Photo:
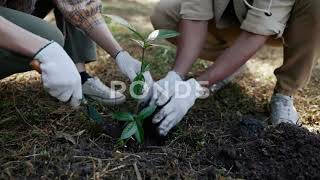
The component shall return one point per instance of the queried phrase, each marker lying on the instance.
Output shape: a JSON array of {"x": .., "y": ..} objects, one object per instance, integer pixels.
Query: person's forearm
[
  {"x": 234, "y": 57},
  {"x": 16, "y": 39},
  {"x": 103, "y": 37},
  {"x": 190, "y": 44}
]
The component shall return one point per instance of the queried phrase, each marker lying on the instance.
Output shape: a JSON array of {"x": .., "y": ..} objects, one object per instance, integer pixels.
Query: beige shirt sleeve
[
  {"x": 196, "y": 9},
  {"x": 259, "y": 23}
]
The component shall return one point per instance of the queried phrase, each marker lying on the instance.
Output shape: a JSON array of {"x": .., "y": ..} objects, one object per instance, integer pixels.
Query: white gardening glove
[
  {"x": 130, "y": 67},
  {"x": 164, "y": 89},
  {"x": 59, "y": 74},
  {"x": 187, "y": 92}
]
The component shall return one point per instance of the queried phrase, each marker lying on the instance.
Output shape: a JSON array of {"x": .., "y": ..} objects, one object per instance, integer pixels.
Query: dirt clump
[{"x": 283, "y": 152}]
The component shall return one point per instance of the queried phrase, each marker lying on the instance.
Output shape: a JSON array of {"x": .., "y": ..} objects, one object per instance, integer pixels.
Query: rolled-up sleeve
[
  {"x": 85, "y": 14},
  {"x": 259, "y": 23},
  {"x": 196, "y": 9}
]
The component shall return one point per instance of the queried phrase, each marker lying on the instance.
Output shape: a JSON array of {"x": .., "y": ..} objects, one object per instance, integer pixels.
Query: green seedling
[{"x": 134, "y": 122}]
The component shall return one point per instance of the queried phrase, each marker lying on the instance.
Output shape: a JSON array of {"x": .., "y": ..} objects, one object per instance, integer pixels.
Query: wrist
[
  {"x": 40, "y": 48},
  {"x": 176, "y": 75},
  {"x": 36, "y": 47},
  {"x": 115, "y": 55},
  {"x": 199, "y": 90},
  {"x": 50, "y": 52}
]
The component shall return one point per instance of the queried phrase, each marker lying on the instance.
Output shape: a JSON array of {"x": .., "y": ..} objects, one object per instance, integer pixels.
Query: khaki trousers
[{"x": 301, "y": 41}]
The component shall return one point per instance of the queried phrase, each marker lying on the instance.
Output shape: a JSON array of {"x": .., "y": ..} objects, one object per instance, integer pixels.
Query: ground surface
[{"x": 221, "y": 137}]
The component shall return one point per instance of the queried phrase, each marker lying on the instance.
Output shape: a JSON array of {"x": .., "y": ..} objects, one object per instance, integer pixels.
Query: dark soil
[
  {"x": 252, "y": 151},
  {"x": 223, "y": 136},
  {"x": 215, "y": 140},
  {"x": 283, "y": 152},
  {"x": 256, "y": 151}
]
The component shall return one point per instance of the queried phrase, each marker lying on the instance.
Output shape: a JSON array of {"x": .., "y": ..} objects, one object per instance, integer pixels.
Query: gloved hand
[
  {"x": 164, "y": 89},
  {"x": 182, "y": 100},
  {"x": 60, "y": 76},
  {"x": 130, "y": 67}
]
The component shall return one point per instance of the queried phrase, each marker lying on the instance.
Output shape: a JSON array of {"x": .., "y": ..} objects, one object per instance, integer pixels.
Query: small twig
[
  {"x": 115, "y": 169},
  {"x": 102, "y": 135},
  {"x": 90, "y": 157},
  {"x": 176, "y": 139},
  {"x": 32, "y": 155},
  {"x": 128, "y": 155},
  {"x": 191, "y": 168},
  {"x": 105, "y": 169},
  {"x": 5, "y": 120},
  {"x": 94, "y": 169},
  {"x": 70, "y": 177},
  {"x": 160, "y": 154},
  {"x": 204, "y": 170},
  {"x": 94, "y": 143},
  {"x": 229, "y": 170},
  {"x": 10, "y": 162},
  {"x": 137, "y": 171}
]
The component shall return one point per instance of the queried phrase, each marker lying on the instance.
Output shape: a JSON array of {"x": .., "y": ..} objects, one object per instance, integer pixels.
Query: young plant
[{"x": 134, "y": 122}]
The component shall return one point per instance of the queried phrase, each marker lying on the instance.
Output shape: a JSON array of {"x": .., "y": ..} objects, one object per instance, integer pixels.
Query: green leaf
[
  {"x": 140, "y": 43},
  {"x": 139, "y": 135},
  {"x": 123, "y": 116},
  {"x": 129, "y": 130},
  {"x": 146, "y": 112},
  {"x": 139, "y": 77},
  {"x": 138, "y": 89},
  {"x": 138, "y": 86},
  {"x": 145, "y": 67},
  {"x": 94, "y": 115},
  {"x": 162, "y": 34},
  {"x": 124, "y": 23}
]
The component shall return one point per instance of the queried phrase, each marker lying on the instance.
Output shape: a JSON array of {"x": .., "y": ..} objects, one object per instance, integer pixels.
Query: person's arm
[
  {"x": 190, "y": 44},
  {"x": 177, "y": 107},
  {"x": 59, "y": 74},
  {"x": 15, "y": 38},
  {"x": 234, "y": 57},
  {"x": 103, "y": 37},
  {"x": 87, "y": 16}
]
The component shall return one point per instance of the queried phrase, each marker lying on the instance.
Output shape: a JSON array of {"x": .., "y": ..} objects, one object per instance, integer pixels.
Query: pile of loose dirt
[{"x": 283, "y": 152}]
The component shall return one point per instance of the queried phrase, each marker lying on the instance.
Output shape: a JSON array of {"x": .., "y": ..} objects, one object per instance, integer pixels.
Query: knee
[
  {"x": 157, "y": 16},
  {"x": 165, "y": 14},
  {"x": 57, "y": 36},
  {"x": 155, "y": 20}
]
